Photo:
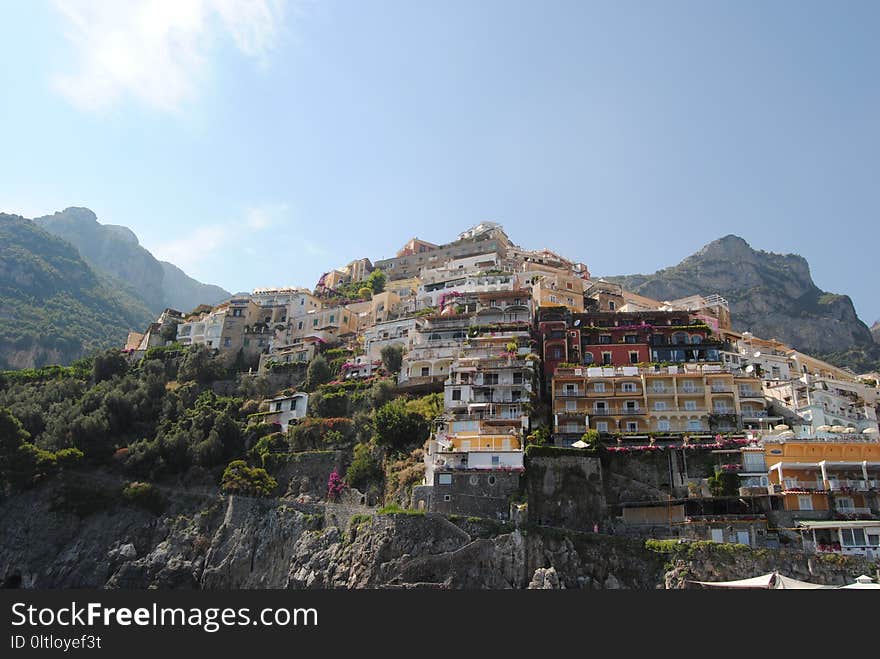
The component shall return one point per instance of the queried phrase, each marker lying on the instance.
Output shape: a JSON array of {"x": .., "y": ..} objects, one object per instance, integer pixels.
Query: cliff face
[
  {"x": 111, "y": 249},
  {"x": 55, "y": 307},
  {"x": 182, "y": 292},
  {"x": 771, "y": 295},
  {"x": 207, "y": 541},
  {"x": 115, "y": 250},
  {"x": 875, "y": 331}
]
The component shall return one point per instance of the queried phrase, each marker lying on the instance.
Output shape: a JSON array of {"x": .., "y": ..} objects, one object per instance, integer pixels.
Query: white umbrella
[
  {"x": 823, "y": 428},
  {"x": 786, "y": 433},
  {"x": 837, "y": 429},
  {"x": 781, "y": 426},
  {"x": 850, "y": 430},
  {"x": 580, "y": 444},
  {"x": 870, "y": 431}
]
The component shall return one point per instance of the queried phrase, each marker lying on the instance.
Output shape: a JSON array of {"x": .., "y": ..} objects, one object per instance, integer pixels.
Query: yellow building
[
  {"x": 829, "y": 475},
  {"x": 691, "y": 398},
  {"x": 559, "y": 289}
]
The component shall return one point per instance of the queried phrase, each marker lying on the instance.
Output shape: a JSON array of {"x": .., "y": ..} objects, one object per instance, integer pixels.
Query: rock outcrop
[
  {"x": 116, "y": 251},
  {"x": 210, "y": 542},
  {"x": 771, "y": 295}
]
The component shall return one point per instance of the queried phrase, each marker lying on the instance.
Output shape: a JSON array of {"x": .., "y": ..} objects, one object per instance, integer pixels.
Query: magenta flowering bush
[{"x": 335, "y": 485}]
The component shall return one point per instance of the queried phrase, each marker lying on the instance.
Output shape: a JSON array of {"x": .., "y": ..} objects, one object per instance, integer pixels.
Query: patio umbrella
[
  {"x": 781, "y": 426},
  {"x": 870, "y": 431},
  {"x": 580, "y": 444},
  {"x": 823, "y": 428}
]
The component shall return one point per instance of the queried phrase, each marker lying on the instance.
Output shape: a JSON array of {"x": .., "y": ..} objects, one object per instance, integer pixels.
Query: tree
[
  {"x": 397, "y": 427},
  {"x": 108, "y": 364},
  {"x": 392, "y": 358},
  {"x": 365, "y": 291},
  {"x": 239, "y": 478},
  {"x": 318, "y": 373},
  {"x": 365, "y": 468},
  {"x": 376, "y": 281}
]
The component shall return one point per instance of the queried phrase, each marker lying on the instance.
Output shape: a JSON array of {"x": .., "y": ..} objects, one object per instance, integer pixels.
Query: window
[
  {"x": 447, "y": 497},
  {"x": 571, "y": 406},
  {"x": 604, "y": 338},
  {"x": 496, "y": 462},
  {"x": 517, "y": 378},
  {"x": 300, "y": 325},
  {"x": 845, "y": 502},
  {"x": 628, "y": 387},
  {"x": 490, "y": 378},
  {"x": 694, "y": 424},
  {"x": 663, "y": 425},
  {"x": 571, "y": 390},
  {"x": 690, "y": 405},
  {"x": 456, "y": 394},
  {"x": 631, "y": 338},
  {"x": 492, "y": 479},
  {"x": 851, "y": 537},
  {"x": 315, "y": 322},
  {"x": 588, "y": 358},
  {"x": 660, "y": 405},
  {"x": 632, "y": 426},
  {"x": 612, "y": 306},
  {"x": 444, "y": 479},
  {"x": 599, "y": 387},
  {"x": 557, "y": 353},
  {"x": 227, "y": 342},
  {"x": 805, "y": 502},
  {"x": 426, "y": 371},
  {"x": 633, "y": 357},
  {"x": 632, "y": 406},
  {"x": 602, "y": 426},
  {"x": 600, "y": 406},
  {"x": 606, "y": 359}
]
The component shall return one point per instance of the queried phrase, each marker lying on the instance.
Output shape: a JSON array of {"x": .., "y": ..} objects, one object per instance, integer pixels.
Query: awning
[{"x": 769, "y": 581}]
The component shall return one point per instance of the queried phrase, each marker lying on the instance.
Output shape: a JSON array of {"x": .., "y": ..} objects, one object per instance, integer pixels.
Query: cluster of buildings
[{"x": 521, "y": 339}]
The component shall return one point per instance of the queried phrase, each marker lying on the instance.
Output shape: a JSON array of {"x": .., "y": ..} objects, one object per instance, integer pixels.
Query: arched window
[
  {"x": 696, "y": 338},
  {"x": 679, "y": 338},
  {"x": 588, "y": 358}
]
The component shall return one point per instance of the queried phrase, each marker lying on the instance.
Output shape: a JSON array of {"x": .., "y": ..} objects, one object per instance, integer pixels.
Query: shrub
[
  {"x": 365, "y": 468},
  {"x": 397, "y": 427},
  {"x": 392, "y": 358},
  {"x": 144, "y": 495},
  {"x": 335, "y": 485},
  {"x": 239, "y": 478}
]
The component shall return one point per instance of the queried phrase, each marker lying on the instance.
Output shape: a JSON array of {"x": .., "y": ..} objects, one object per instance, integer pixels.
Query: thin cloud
[
  {"x": 205, "y": 241},
  {"x": 157, "y": 51}
]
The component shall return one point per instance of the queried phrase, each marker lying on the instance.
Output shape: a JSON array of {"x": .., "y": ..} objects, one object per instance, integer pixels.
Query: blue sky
[{"x": 261, "y": 143}]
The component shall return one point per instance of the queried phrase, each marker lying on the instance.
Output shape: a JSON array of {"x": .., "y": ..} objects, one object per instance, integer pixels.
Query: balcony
[
  {"x": 750, "y": 393},
  {"x": 661, "y": 391},
  {"x": 623, "y": 392},
  {"x": 861, "y": 485},
  {"x": 721, "y": 389},
  {"x": 570, "y": 393},
  {"x": 618, "y": 411},
  {"x": 790, "y": 484},
  {"x": 694, "y": 389},
  {"x": 854, "y": 511}
]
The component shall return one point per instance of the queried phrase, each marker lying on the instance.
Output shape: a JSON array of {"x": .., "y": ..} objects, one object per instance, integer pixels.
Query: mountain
[
  {"x": 182, "y": 292},
  {"x": 771, "y": 295},
  {"x": 875, "y": 331},
  {"x": 54, "y": 307},
  {"x": 116, "y": 251}
]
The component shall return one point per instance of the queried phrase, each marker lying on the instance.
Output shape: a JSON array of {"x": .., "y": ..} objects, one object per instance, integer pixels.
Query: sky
[{"x": 261, "y": 142}]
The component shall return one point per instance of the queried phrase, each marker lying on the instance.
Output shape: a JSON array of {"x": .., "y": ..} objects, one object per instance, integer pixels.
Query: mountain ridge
[
  {"x": 770, "y": 294},
  {"x": 116, "y": 250}
]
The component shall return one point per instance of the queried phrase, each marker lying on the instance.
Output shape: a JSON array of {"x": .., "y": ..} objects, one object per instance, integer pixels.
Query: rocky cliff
[
  {"x": 771, "y": 295},
  {"x": 54, "y": 540},
  {"x": 55, "y": 306},
  {"x": 116, "y": 251}
]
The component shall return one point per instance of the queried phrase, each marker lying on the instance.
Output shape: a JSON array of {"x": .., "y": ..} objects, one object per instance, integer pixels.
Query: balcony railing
[
  {"x": 837, "y": 484},
  {"x": 618, "y": 411},
  {"x": 855, "y": 510},
  {"x": 695, "y": 389},
  {"x": 750, "y": 393},
  {"x": 721, "y": 389}
]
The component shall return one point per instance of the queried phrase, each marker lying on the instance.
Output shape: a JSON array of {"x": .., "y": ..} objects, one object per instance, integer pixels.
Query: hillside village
[{"x": 634, "y": 416}]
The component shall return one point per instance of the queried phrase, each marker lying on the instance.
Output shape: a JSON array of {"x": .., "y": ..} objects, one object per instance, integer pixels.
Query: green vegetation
[
  {"x": 239, "y": 478},
  {"x": 392, "y": 358},
  {"x": 144, "y": 495},
  {"x": 55, "y": 307},
  {"x": 394, "y": 509}
]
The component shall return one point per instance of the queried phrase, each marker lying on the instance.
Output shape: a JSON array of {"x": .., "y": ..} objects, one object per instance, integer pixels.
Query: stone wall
[
  {"x": 565, "y": 491},
  {"x": 471, "y": 493}
]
